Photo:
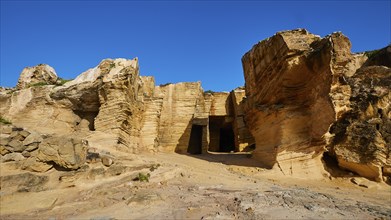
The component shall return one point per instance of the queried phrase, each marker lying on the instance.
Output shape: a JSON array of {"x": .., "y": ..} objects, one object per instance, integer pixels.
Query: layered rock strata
[
  {"x": 112, "y": 101},
  {"x": 299, "y": 85}
]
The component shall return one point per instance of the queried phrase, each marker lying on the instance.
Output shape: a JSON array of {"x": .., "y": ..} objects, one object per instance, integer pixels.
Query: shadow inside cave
[{"x": 237, "y": 159}]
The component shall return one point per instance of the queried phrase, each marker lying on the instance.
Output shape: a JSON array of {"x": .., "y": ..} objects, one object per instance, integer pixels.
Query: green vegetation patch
[
  {"x": 142, "y": 177},
  {"x": 371, "y": 53},
  {"x": 38, "y": 84},
  {"x": 154, "y": 167},
  {"x": 62, "y": 81},
  {"x": 166, "y": 84},
  {"x": 209, "y": 91}
]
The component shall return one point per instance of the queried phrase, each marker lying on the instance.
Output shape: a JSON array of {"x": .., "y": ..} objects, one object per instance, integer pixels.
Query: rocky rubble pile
[{"x": 39, "y": 152}]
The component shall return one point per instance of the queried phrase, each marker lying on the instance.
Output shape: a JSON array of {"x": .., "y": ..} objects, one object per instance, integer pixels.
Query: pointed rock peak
[{"x": 41, "y": 74}]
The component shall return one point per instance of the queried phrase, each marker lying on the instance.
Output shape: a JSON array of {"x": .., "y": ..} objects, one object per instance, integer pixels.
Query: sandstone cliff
[
  {"x": 113, "y": 106},
  {"x": 103, "y": 99},
  {"x": 304, "y": 96},
  {"x": 297, "y": 86}
]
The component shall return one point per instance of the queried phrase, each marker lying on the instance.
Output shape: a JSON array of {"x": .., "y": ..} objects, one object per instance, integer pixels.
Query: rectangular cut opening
[
  {"x": 195, "y": 141},
  {"x": 222, "y": 138}
]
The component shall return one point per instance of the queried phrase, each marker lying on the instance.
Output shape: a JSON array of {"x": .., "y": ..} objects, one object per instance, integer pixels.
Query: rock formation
[
  {"x": 298, "y": 86},
  {"x": 361, "y": 136},
  {"x": 112, "y": 101},
  {"x": 37, "y": 152},
  {"x": 304, "y": 96},
  {"x": 41, "y": 74}
]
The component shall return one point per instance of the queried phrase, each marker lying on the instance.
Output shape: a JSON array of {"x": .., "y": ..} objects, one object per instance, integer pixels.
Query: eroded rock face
[
  {"x": 287, "y": 106},
  {"x": 299, "y": 85},
  {"x": 31, "y": 76},
  {"x": 361, "y": 136},
  {"x": 105, "y": 99}
]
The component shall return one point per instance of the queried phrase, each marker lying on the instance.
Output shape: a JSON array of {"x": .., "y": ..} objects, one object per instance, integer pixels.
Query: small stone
[
  {"x": 107, "y": 161},
  {"x": 363, "y": 182},
  {"x": 26, "y": 154}
]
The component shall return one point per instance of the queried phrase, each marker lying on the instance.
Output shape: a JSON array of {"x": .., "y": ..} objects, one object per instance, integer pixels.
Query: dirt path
[{"x": 197, "y": 187}]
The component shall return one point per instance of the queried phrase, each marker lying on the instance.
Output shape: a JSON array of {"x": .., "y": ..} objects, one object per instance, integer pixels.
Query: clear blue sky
[{"x": 175, "y": 41}]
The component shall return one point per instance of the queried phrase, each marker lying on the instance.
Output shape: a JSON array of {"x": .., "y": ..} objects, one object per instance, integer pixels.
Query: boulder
[
  {"x": 107, "y": 161},
  {"x": 66, "y": 152},
  {"x": 33, "y": 164},
  {"x": 32, "y": 138},
  {"x": 32, "y": 147},
  {"x": 41, "y": 74},
  {"x": 26, "y": 154},
  {"x": 13, "y": 157},
  {"x": 16, "y": 146}
]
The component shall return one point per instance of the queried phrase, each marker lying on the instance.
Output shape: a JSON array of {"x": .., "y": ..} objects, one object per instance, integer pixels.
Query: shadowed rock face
[{"x": 361, "y": 136}]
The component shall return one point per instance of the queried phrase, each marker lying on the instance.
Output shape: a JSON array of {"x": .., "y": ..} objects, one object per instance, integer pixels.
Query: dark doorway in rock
[
  {"x": 221, "y": 135},
  {"x": 227, "y": 139},
  {"x": 89, "y": 116},
  {"x": 195, "y": 141}
]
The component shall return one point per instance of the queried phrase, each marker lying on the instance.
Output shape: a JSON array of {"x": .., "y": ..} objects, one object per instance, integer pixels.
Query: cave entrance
[
  {"x": 88, "y": 116},
  {"x": 195, "y": 141},
  {"x": 222, "y": 138}
]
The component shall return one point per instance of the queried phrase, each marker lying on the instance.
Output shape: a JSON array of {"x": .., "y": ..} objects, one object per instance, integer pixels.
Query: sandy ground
[{"x": 211, "y": 186}]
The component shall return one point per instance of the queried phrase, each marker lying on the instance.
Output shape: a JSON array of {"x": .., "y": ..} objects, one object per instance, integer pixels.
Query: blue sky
[{"x": 175, "y": 41}]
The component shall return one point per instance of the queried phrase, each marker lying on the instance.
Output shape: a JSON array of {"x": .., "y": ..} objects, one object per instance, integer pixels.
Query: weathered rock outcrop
[
  {"x": 304, "y": 95},
  {"x": 297, "y": 86},
  {"x": 41, "y": 74},
  {"x": 287, "y": 107},
  {"x": 66, "y": 152},
  {"x": 361, "y": 136},
  {"x": 113, "y": 102},
  {"x": 38, "y": 152},
  {"x": 104, "y": 99}
]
